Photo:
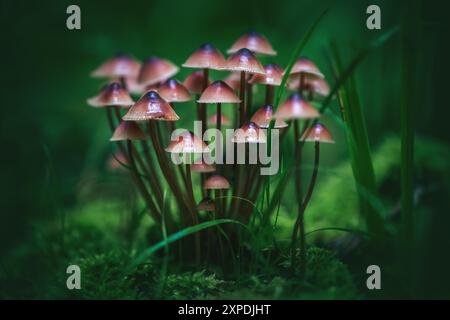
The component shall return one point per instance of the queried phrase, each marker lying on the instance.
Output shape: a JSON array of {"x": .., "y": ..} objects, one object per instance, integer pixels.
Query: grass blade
[
  {"x": 359, "y": 148},
  {"x": 177, "y": 236}
]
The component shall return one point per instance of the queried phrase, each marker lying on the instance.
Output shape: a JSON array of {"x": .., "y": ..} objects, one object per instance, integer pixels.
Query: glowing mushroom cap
[
  {"x": 218, "y": 92},
  {"x": 318, "y": 133},
  {"x": 187, "y": 142},
  {"x": 295, "y": 107},
  {"x": 213, "y": 119},
  {"x": 263, "y": 116},
  {"x": 273, "y": 76},
  {"x": 216, "y": 182},
  {"x": 306, "y": 66},
  {"x": 194, "y": 82},
  {"x": 151, "y": 107},
  {"x": 244, "y": 60},
  {"x": 121, "y": 65},
  {"x": 206, "y": 57},
  {"x": 206, "y": 204},
  {"x": 249, "y": 133},
  {"x": 202, "y": 167},
  {"x": 233, "y": 80},
  {"x": 111, "y": 95},
  {"x": 255, "y": 42},
  {"x": 127, "y": 130},
  {"x": 173, "y": 91},
  {"x": 156, "y": 70}
]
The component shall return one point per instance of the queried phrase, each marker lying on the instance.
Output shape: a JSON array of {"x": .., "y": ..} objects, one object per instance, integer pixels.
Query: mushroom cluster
[{"x": 146, "y": 146}]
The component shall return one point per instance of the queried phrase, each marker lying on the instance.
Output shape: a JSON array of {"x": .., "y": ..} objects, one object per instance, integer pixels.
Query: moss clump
[{"x": 197, "y": 285}]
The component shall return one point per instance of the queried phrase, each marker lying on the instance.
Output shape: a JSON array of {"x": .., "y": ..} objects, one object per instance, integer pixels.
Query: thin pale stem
[{"x": 242, "y": 97}]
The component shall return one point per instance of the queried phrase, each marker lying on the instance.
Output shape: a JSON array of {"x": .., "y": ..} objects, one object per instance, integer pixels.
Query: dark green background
[{"x": 45, "y": 81}]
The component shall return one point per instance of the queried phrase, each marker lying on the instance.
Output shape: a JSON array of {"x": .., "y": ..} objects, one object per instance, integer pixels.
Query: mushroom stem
[
  {"x": 110, "y": 118},
  {"x": 140, "y": 184},
  {"x": 297, "y": 155},
  {"x": 242, "y": 97},
  {"x": 300, "y": 223},
  {"x": 194, "y": 215},
  {"x": 269, "y": 94},
  {"x": 203, "y": 106},
  {"x": 152, "y": 175},
  {"x": 249, "y": 102},
  {"x": 166, "y": 170},
  {"x": 219, "y": 116}
]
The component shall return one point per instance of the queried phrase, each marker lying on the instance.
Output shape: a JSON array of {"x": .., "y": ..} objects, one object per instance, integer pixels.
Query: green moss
[{"x": 197, "y": 285}]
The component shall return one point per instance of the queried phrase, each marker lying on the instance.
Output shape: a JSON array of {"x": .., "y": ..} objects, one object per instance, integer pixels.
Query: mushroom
[
  {"x": 156, "y": 70},
  {"x": 121, "y": 66},
  {"x": 111, "y": 95},
  {"x": 206, "y": 204},
  {"x": 263, "y": 116},
  {"x": 244, "y": 61},
  {"x": 218, "y": 92},
  {"x": 216, "y": 183},
  {"x": 317, "y": 134},
  {"x": 255, "y": 42},
  {"x": 127, "y": 130},
  {"x": 249, "y": 133},
  {"x": 223, "y": 119},
  {"x": 151, "y": 107},
  {"x": 206, "y": 57},
  {"x": 273, "y": 77}
]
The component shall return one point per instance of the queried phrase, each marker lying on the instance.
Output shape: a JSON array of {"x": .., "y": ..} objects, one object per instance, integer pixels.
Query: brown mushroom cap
[
  {"x": 295, "y": 107},
  {"x": 306, "y": 66},
  {"x": 273, "y": 76},
  {"x": 187, "y": 142},
  {"x": 202, "y": 167},
  {"x": 233, "y": 80},
  {"x": 156, "y": 70},
  {"x": 111, "y": 95},
  {"x": 127, "y": 130},
  {"x": 151, "y": 107},
  {"x": 133, "y": 86},
  {"x": 218, "y": 92},
  {"x": 249, "y": 133},
  {"x": 216, "y": 182},
  {"x": 318, "y": 133},
  {"x": 194, "y": 82},
  {"x": 206, "y": 57},
  {"x": 255, "y": 42},
  {"x": 318, "y": 86},
  {"x": 173, "y": 91},
  {"x": 121, "y": 65},
  {"x": 213, "y": 119},
  {"x": 263, "y": 116},
  {"x": 206, "y": 204},
  {"x": 244, "y": 60}
]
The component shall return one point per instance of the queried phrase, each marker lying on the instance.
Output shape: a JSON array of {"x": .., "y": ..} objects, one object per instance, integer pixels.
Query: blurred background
[{"x": 54, "y": 147}]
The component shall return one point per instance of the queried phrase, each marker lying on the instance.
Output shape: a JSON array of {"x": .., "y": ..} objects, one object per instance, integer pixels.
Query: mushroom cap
[
  {"x": 304, "y": 65},
  {"x": 295, "y": 107},
  {"x": 187, "y": 142},
  {"x": 218, "y": 92},
  {"x": 206, "y": 57},
  {"x": 194, "y": 82},
  {"x": 318, "y": 86},
  {"x": 202, "y": 167},
  {"x": 173, "y": 91},
  {"x": 121, "y": 65},
  {"x": 213, "y": 119},
  {"x": 133, "y": 86},
  {"x": 151, "y": 107},
  {"x": 249, "y": 133},
  {"x": 127, "y": 130},
  {"x": 273, "y": 76},
  {"x": 318, "y": 133},
  {"x": 233, "y": 80},
  {"x": 111, "y": 95},
  {"x": 156, "y": 70},
  {"x": 206, "y": 204},
  {"x": 216, "y": 182},
  {"x": 263, "y": 116},
  {"x": 244, "y": 60},
  {"x": 255, "y": 42},
  {"x": 113, "y": 161}
]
